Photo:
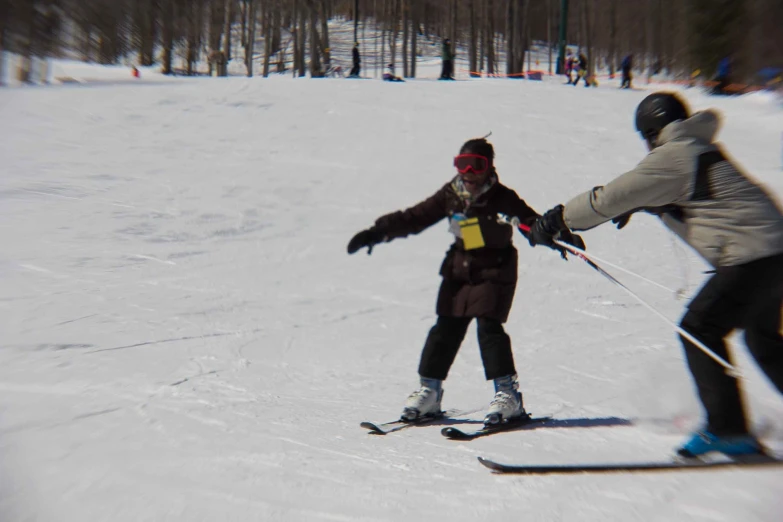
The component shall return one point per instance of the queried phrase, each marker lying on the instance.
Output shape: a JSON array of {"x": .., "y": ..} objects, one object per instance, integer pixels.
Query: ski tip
[
  {"x": 454, "y": 433},
  {"x": 488, "y": 463},
  {"x": 374, "y": 429}
]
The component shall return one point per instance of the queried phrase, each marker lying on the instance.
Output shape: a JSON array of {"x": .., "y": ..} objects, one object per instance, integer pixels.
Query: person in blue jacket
[{"x": 626, "y": 67}]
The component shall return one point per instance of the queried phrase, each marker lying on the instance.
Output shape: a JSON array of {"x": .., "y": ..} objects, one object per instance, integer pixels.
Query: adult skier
[
  {"x": 724, "y": 76},
  {"x": 581, "y": 71},
  {"x": 357, "y": 61},
  {"x": 703, "y": 196},
  {"x": 479, "y": 277},
  {"x": 626, "y": 67},
  {"x": 447, "y": 55}
]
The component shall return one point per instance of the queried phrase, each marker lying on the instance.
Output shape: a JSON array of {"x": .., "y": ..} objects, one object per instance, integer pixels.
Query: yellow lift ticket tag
[{"x": 471, "y": 233}]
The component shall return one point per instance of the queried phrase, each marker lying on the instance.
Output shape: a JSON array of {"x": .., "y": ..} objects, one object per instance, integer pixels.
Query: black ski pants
[
  {"x": 747, "y": 297},
  {"x": 446, "y": 336},
  {"x": 447, "y": 70}
]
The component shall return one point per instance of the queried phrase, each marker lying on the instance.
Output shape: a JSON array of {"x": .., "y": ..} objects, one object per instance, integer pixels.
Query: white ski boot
[
  {"x": 507, "y": 403},
  {"x": 424, "y": 402}
]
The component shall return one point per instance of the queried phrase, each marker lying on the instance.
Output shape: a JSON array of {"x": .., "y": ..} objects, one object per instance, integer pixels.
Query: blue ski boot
[{"x": 703, "y": 442}]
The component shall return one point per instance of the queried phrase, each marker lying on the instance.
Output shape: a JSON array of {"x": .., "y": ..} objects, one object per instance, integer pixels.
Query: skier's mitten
[
  {"x": 366, "y": 238},
  {"x": 622, "y": 220},
  {"x": 672, "y": 210},
  {"x": 547, "y": 227},
  {"x": 569, "y": 237}
]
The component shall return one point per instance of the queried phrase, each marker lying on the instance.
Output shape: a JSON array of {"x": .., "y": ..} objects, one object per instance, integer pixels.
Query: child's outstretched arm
[{"x": 402, "y": 222}]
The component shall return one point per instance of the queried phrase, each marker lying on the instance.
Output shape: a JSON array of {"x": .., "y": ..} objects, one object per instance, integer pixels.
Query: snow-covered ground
[{"x": 183, "y": 337}]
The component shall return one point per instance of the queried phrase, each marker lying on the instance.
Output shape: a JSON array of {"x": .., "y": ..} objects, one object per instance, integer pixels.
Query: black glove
[
  {"x": 546, "y": 227},
  {"x": 366, "y": 238},
  {"x": 622, "y": 220},
  {"x": 551, "y": 226},
  {"x": 566, "y": 236},
  {"x": 672, "y": 210}
]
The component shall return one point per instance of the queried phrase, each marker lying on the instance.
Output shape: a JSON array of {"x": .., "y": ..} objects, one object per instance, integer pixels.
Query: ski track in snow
[{"x": 184, "y": 337}]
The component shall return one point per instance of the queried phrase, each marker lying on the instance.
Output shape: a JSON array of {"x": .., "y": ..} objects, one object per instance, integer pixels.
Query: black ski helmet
[{"x": 658, "y": 110}]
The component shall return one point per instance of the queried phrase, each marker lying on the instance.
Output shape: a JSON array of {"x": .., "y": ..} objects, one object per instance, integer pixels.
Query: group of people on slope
[
  {"x": 576, "y": 69},
  {"x": 697, "y": 191},
  {"x": 389, "y": 74}
]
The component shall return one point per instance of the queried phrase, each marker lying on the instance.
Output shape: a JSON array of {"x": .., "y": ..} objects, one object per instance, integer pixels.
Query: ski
[
  {"x": 457, "y": 434},
  {"x": 399, "y": 424},
  {"x": 629, "y": 467}
]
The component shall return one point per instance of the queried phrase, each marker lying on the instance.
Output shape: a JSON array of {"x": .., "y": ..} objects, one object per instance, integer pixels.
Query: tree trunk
[
  {"x": 453, "y": 34},
  {"x": 217, "y": 16},
  {"x": 302, "y": 35},
  {"x": 588, "y": 14},
  {"x": 324, "y": 41},
  {"x": 315, "y": 54},
  {"x": 168, "y": 35},
  {"x": 473, "y": 52},
  {"x": 295, "y": 37},
  {"x": 528, "y": 50},
  {"x": 227, "y": 29},
  {"x": 251, "y": 39},
  {"x": 510, "y": 37},
  {"x": 394, "y": 30},
  {"x": 549, "y": 19},
  {"x": 144, "y": 29},
  {"x": 521, "y": 32},
  {"x": 405, "y": 22},
  {"x": 270, "y": 16},
  {"x": 490, "y": 43},
  {"x": 277, "y": 23},
  {"x": 192, "y": 28},
  {"x": 415, "y": 10},
  {"x": 612, "y": 37}
]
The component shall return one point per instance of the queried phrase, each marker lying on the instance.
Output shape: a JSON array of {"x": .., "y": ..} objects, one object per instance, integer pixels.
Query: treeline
[{"x": 676, "y": 36}]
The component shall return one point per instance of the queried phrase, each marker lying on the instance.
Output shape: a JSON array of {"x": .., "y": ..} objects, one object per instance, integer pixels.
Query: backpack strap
[{"x": 701, "y": 187}]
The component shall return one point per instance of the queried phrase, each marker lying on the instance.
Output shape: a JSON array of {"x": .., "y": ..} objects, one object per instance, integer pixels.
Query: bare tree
[
  {"x": 416, "y": 10},
  {"x": 678, "y": 36},
  {"x": 168, "y": 35},
  {"x": 251, "y": 37},
  {"x": 473, "y": 45}
]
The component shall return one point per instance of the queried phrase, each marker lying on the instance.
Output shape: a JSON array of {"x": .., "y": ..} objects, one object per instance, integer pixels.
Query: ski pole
[{"x": 731, "y": 370}]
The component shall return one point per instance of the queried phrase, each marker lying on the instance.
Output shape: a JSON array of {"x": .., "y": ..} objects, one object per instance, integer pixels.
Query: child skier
[{"x": 479, "y": 278}]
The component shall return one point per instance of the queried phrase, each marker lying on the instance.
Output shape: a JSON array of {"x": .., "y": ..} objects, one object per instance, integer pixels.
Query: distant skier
[
  {"x": 357, "y": 62},
  {"x": 569, "y": 67},
  {"x": 626, "y": 67},
  {"x": 389, "y": 75},
  {"x": 724, "y": 76},
  {"x": 479, "y": 277},
  {"x": 447, "y": 55},
  {"x": 581, "y": 71},
  {"x": 705, "y": 198}
]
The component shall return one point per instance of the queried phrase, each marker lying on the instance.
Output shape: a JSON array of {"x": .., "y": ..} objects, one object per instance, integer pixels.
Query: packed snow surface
[{"x": 183, "y": 336}]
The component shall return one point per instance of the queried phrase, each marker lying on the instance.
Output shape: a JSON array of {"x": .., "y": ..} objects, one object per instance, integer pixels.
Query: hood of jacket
[{"x": 702, "y": 126}]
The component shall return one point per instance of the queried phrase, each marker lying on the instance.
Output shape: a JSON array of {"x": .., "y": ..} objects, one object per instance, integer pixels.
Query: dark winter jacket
[
  {"x": 445, "y": 52},
  {"x": 627, "y": 63},
  {"x": 479, "y": 282},
  {"x": 724, "y": 68},
  {"x": 356, "y": 59}
]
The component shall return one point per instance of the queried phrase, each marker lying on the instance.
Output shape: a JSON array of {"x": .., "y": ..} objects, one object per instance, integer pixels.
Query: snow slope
[{"x": 185, "y": 338}]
